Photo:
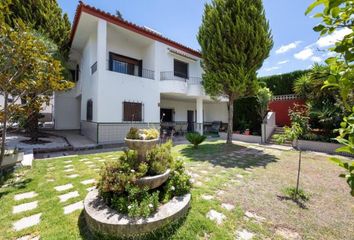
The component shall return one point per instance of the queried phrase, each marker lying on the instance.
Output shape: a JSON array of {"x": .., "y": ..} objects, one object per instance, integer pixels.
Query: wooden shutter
[{"x": 132, "y": 111}]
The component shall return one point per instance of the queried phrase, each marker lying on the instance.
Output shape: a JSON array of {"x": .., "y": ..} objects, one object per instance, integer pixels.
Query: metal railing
[
  {"x": 121, "y": 68},
  {"x": 169, "y": 75}
]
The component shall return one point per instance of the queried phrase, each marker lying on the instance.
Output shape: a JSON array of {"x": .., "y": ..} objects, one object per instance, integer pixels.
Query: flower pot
[
  {"x": 152, "y": 182},
  {"x": 141, "y": 146}
]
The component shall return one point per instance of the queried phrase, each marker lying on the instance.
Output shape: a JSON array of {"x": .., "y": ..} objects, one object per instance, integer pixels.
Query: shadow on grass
[
  {"x": 228, "y": 156},
  {"x": 165, "y": 233},
  {"x": 10, "y": 181},
  {"x": 297, "y": 201}
]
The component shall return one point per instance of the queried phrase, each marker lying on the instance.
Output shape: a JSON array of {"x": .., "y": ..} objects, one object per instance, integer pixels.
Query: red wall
[{"x": 281, "y": 109}]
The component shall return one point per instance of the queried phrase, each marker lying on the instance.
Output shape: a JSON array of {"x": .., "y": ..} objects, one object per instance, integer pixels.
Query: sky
[{"x": 296, "y": 45}]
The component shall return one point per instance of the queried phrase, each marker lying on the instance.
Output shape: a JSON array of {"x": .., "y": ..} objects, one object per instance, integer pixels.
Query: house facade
[{"x": 127, "y": 75}]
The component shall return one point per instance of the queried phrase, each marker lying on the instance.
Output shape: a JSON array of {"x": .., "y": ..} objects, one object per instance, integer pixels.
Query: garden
[{"x": 240, "y": 193}]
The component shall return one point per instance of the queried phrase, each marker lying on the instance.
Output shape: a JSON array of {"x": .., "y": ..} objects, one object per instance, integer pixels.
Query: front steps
[{"x": 277, "y": 131}]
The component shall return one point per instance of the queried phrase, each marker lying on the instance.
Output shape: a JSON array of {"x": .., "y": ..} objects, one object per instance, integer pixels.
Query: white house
[{"x": 129, "y": 75}]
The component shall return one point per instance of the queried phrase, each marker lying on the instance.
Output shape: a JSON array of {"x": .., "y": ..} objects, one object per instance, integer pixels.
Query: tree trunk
[
  {"x": 3, "y": 138},
  {"x": 230, "y": 119}
]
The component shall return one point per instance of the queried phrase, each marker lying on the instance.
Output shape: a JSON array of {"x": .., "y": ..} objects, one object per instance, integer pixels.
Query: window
[
  {"x": 89, "y": 110},
  {"x": 180, "y": 69},
  {"x": 132, "y": 111},
  {"x": 126, "y": 65}
]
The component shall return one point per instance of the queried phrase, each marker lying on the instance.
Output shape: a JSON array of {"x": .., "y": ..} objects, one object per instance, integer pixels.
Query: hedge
[
  {"x": 282, "y": 84},
  {"x": 246, "y": 116}
]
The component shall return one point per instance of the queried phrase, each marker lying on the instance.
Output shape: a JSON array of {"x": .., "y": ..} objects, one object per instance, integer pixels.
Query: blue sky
[{"x": 296, "y": 45}]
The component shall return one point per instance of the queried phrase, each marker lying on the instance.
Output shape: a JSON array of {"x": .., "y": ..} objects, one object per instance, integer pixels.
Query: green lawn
[{"x": 250, "y": 178}]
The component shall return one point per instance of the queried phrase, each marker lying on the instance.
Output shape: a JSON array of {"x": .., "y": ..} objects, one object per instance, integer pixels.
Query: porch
[{"x": 181, "y": 114}]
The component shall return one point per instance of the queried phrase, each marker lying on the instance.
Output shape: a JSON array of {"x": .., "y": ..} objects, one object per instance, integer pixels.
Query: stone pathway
[
  {"x": 228, "y": 207},
  {"x": 69, "y": 166},
  {"x": 26, "y": 195},
  {"x": 24, "y": 207},
  {"x": 73, "y": 207},
  {"x": 63, "y": 187},
  {"x": 216, "y": 216},
  {"x": 244, "y": 235},
  {"x": 73, "y": 176},
  {"x": 65, "y": 197},
  {"x": 207, "y": 197},
  {"x": 250, "y": 215},
  {"x": 27, "y": 222},
  {"x": 89, "y": 181}
]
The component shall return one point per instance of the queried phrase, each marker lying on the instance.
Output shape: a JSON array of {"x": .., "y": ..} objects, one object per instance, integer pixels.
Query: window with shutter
[
  {"x": 180, "y": 69},
  {"x": 132, "y": 111}
]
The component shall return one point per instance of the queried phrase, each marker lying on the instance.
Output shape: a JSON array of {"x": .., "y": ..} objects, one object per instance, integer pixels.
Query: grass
[{"x": 249, "y": 177}]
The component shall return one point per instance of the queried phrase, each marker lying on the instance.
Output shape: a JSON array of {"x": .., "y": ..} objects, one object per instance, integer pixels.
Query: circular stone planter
[
  {"x": 141, "y": 146},
  {"x": 102, "y": 219},
  {"x": 153, "y": 181}
]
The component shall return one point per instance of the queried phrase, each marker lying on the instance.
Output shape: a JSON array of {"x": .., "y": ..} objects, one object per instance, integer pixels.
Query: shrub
[
  {"x": 159, "y": 158},
  {"x": 151, "y": 133},
  {"x": 133, "y": 133},
  {"x": 300, "y": 115},
  {"x": 195, "y": 138},
  {"x": 178, "y": 183}
]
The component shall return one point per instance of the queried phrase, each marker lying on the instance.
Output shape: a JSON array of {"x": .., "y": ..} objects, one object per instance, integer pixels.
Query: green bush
[
  {"x": 246, "y": 115},
  {"x": 284, "y": 83},
  {"x": 159, "y": 158},
  {"x": 195, "y": 138},
  {"x": 150, "y": 133},
  {"x": 143, "y": 134},
  {"x": 133, "y": 133}
]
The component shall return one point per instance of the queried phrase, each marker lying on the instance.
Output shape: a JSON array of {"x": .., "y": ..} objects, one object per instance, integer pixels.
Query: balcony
[
  {"x": 170, "y": 76},
  {"x": 170, "y": 83},
  {"x": 133, "y": 70}
]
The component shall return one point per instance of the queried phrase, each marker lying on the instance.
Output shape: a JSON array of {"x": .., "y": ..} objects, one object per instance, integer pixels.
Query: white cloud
[
  {"x": 331, "y": 39},
  {"x": 283, "y": 62},
  {"x": 304, "y": 54},
  {"x": 271, "y": 69},
  {"x": 288, "y": 47},
  {"x": 316, "y": 59}
]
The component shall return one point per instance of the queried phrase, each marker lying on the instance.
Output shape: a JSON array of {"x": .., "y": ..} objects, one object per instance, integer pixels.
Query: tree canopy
[{"x": 235, "y": 39}]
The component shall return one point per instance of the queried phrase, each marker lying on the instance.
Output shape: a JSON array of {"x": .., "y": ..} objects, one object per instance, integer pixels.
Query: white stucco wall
[
  {"x": 180, "y": 108},
  {"x": 215, "y": 112},
  {"x": 67, "y": 110}
]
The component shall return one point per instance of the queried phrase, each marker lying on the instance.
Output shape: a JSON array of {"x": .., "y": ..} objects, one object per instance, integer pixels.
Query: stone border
[
  {"x": 318, "y": 146},
  {"x": 153, "y": 181},
  {"x": 104, "y": 220}
]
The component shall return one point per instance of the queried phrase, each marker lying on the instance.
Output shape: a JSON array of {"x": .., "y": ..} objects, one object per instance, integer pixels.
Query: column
[
  {"x": 101, "y": 45},
  {"x": 200, "y": 115}
]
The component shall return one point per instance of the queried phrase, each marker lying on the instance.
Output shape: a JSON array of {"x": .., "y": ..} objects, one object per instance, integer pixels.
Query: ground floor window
[
  {"x": 89, "y": 110},
  {"x": 132, "y": 111}
]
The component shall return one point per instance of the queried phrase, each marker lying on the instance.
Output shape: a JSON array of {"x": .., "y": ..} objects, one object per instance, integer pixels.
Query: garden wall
[
  {"x": 281, "y": 104},
  {"x": 317, "y": 146},
  {"x": 242, "y": 138}
]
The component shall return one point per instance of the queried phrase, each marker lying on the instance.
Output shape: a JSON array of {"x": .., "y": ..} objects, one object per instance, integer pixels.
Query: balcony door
[
  {"x": 126, "y": 65},
  {"x": 190, "y": 121}
]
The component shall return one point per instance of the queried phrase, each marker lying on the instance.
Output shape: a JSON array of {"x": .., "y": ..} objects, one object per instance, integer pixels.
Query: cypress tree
[{"x": 235, "y": 38}]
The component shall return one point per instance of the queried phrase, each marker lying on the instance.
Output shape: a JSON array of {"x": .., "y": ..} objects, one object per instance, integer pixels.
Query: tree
[
  {"x": 264, "y": 96},
  {"x": 338, "y": 14},
  {"x": 235, "y": 39},
  {"x": 26, "y": 64},
  {"x": 47, "y": 19}
]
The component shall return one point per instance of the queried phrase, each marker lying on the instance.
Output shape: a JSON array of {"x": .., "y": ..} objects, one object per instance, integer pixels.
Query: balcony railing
[
  {"x": 169, "y": 75},
  {"x": 120, "y": 68}
]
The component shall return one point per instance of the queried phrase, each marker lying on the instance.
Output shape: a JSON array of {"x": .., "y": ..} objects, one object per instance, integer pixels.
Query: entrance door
[{"x": 190, "y": 121}]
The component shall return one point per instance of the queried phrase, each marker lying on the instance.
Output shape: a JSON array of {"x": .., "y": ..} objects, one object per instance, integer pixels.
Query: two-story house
[{"x": 127, "y": 75}]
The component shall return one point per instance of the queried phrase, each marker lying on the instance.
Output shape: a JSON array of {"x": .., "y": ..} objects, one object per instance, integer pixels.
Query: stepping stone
[
  {"x": 216, "y": 216},
  {"x": 228, "y": 207},
  {"x": 91, "y": 165},
  {"x": 63, "y": 187},
  {"x": 27, "y": 222},
  {"x": 220, "y": 192},
  {"x": 24, "y": 207},
  {"x": 73, "y": 176},
  {"x": 68, "y": 161},
  {"x": 91, "y": 188},
  {"x": 102, "y": 160},
  {"x": 198, "y": 184},
  {"x": 50, "y": 180},
  {"x": 254, "y": 216},
  {"x": 204, "y": 172},
  {"x": 89, "y": 181},
  {"x": 88, "y": 163},
  {"x": 244, "y": 235},
  {"x": 84, "y": 159},
  {"x": 25, "y": 195},
  {"x": 207, "y": 197},
  {"x": 67, "y": 196},
  {"x": 29, "y": 237},
  {"x": 97, "y": 158},
  {"x": 239, "y": 176},
  {"x": 51, "y": 168},
  {"x": 97, "y": 169},
  {"x": 69, "y": 166},
  {"x": 69, "y": 170},
  {"x": 73, "y": 207}
]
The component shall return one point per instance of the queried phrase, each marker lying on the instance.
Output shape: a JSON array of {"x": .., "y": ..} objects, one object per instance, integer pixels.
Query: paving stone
[
  {"x": 204, "y": 172},
  {"x": 254, "y": 216},
  {"x": 102, "y": 160},
  {"x": 29, "y": 237},
  {"x": 244, "y": 235},
  {"x": 26, "y": 195},
  {"x": 207, "y": 197},
  {"x": 73, "y": 176},
  {"x": 91, "y": 165},
  {"x": 73, "y": 207},
  {"x": 68, "y": 161},
  {"x": 216, "y": 216},
  {"x": 63, "y": 187},
  {"x": 198, "y": 184},
  {"x": 83, "y": 159},
  {"x": 69, "y": 170},
  {"x": 50, "y": 180},
  {"x": 69, "y": 166},
  {"x": 239, "y": 176},
  {"x": 97, "y": 169},
  {"x": 24, "y": 207},
  {"x": 67, "y": 196},
  {"x": 27, "y": 222},
  {"x": 88, "y": 163},
  {"x": 227, "y": 206},
  {"x": 51, "y": 168},
  {"x": 89, "y": 181},
  {"x": 91, "y": 188}
]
